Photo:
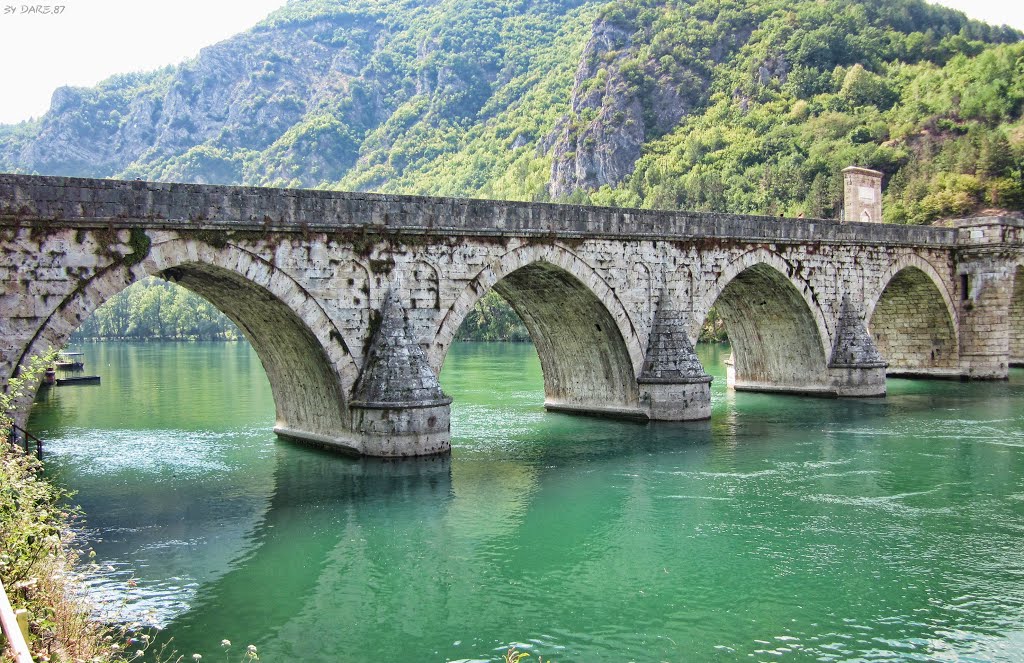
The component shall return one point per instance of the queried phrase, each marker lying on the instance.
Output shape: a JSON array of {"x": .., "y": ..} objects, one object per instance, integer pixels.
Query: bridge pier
[
  {"x": 398, "y": 408},
  {"x": 856, "y": 368},
  {"x": 673, "y": 384},
  {"x": 986, "y": 272}
]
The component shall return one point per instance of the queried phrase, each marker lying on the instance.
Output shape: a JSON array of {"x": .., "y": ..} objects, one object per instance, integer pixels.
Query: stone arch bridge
[{"x": 352, "y": 300}]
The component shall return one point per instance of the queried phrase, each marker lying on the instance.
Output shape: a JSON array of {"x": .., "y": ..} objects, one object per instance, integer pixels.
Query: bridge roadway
[{"x": 352, "y": 300}]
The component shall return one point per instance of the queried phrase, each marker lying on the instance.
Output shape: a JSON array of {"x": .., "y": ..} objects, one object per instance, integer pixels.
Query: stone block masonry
[
  {"x": 339, "y": 293},
  {"x": 862, "y": 195}
]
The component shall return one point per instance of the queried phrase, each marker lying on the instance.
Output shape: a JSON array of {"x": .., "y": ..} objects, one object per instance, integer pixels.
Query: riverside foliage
[
  {"x": 36, "y": 556},
  {"x": 154, "y": 309}
]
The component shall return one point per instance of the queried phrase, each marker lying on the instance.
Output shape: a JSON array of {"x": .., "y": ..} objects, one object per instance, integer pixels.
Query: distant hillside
[{"x": 724, "y": 105}]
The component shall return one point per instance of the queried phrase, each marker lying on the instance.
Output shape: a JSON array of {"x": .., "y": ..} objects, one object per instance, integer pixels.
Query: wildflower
[
  {"x": 196, "y": 657},
  {"x": 225, "y": 643},
  {"x": 251, "y": 649},
  {"x": 145, "y": 637}
]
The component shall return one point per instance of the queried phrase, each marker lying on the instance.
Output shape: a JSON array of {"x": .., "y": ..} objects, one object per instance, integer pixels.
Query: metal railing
[
  {"x": 14, "y": 629},
  {"x": 24, "y": 439}
]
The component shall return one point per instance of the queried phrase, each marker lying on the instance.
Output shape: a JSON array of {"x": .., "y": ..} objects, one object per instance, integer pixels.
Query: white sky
[{"x": 93, "y": 39}]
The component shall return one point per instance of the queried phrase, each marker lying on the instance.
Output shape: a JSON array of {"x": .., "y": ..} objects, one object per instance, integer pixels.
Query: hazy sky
[{"x": 91, "y": 39}]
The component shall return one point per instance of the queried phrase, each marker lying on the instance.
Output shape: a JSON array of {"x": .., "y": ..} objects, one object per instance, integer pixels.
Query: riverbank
[
  {"x": 37, "y": 562},
  {"x": 37, "y": 555}
]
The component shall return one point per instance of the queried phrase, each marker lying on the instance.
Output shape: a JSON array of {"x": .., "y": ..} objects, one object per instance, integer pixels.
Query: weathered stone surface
[
  {"x": 398, "y": 408},
  {"x": 862, "y": 195},
  {"x": 395, "y": 370},
  {"x": 856, "y": 366},
  {"x": 853, "y": 345},
  {"x": 670, "y": 354},
  {"x": 673, "y": 382},
  {"x": 607, "y": 294}
]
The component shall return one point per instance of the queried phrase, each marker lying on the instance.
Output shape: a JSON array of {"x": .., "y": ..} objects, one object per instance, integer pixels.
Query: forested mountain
[{"x": 699, "y": 104}]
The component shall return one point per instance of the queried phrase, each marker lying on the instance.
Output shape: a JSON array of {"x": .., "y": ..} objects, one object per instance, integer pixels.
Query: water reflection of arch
[
  {"x": 306, "y": 357},
  {"x": 778, "y": 333},
  {"x": 589, "y": 348},
  {"x": 320, "y": 499},
  {"x": 911, "y": 316},
  {"x": 352, "y": 548}
]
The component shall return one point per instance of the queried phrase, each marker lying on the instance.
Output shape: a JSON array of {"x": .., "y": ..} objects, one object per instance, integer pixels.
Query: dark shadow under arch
[
  {"x": 776, "y": 342},
  {"x": 586, "y": 365},
  {"x": 912, "y": 327},
  {"x": 307, "y": 393}
]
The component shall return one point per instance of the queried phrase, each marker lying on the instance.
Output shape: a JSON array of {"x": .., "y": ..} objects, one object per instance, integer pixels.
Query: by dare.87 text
[{"x": 11, "y": 10}]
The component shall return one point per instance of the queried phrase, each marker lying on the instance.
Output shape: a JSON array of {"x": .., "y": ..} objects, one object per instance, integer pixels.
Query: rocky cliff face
[
  {"x": 621, "y": 98},
  {"x": 293, "y": 101},
  {"x": 242, "y": 95}
]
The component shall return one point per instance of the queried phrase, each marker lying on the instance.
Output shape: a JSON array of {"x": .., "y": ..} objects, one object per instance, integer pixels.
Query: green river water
[{"x": 786, "y": 528}]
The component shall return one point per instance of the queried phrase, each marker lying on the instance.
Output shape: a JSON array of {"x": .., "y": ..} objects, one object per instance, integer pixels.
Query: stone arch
[
  {"x": 912, "y": 319},
  {"x": 777, "y": 331},
  {"x": 306, "y": 358},
  {"x": 588, "y": 345},
  {"x": 874, "y": 292},
  {"x": 1016, "y": 317}
]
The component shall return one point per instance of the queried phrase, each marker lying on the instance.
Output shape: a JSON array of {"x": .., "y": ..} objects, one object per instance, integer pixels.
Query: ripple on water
[
  {"x": 578, "y": 540},
  {"x": 118, "y": 598},
  {"x": 157, "y": 452}
]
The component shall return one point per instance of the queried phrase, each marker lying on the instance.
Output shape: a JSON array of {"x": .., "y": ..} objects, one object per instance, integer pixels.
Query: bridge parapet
[
  {"x": 985, "y": 232},
  {"x": 170, "y": 206}
]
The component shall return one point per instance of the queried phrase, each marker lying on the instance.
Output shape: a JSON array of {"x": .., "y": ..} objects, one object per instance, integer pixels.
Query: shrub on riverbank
[
  {"x": 36, "y": 556},
  {"x": 36, "y": 561}
]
